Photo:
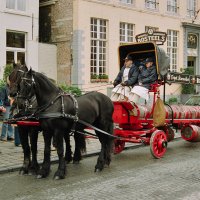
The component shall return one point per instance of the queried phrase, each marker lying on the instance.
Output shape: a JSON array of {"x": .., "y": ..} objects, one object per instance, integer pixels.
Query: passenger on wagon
[
  {"x": 147, "y": 76},
  {"x": 125, "y": 80}
]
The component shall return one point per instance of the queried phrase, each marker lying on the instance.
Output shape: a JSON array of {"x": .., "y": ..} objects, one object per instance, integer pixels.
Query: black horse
[
  {"x": 19, "y": 109},
  {"x": 62, "y": 113},
  {"x": 23, "y": 107}
]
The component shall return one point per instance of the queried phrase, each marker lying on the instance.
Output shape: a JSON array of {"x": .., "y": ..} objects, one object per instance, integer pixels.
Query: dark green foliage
[
  {"x": 7, "y": 70},
  {"x": 94, "y": 76},
  {"x": 188, "y": 88},
  {"x": 173, "y": 100},
  {"x": 2, "y": 84},
  {"x": 71, "y": 89},
  {"x": 100, "y": 76},
  {"x": 103, "y": 76}
]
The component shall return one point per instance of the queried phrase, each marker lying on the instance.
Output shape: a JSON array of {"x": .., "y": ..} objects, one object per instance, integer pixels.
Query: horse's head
[
  {"x": 27, "y": 85},
  {"x": 14, "y": 78}
]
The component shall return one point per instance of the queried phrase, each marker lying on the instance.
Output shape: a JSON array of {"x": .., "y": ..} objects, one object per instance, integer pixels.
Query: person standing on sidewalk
[
  {"x": 7, "y": 129},
  {"x": 16, "y": 130}
]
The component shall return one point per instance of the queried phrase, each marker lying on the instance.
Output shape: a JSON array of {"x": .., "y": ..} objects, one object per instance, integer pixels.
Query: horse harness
[{"x": 40, "y": 114}]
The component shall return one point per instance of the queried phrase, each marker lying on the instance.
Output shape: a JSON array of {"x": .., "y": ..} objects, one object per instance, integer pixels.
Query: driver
[
  {"x": 147, "y": 76},
  {"x": 125, "y": 80}
]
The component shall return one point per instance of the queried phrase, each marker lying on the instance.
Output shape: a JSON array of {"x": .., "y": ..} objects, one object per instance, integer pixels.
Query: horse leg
[
  {"x": 23, "y": 135},
  {"x": 80, "y": 146},
  {"x": 68, "y": 152},
  {"x": 61, "y": 171},
  {"x": 106, "y": 144},
  {"x": 34, "y": 168},
  {"x": 45, "y": 169}
]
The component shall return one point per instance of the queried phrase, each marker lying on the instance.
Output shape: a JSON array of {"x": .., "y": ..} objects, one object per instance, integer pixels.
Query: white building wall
[
  {"x": 48, "y": 60},
  {"x": 115, "y": 13},
  {"x": 24, "y": 22}
]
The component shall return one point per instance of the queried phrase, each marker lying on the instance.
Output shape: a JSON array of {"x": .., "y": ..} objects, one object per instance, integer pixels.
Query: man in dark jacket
[
  {"x": 125, "y": 80},
  {"x": 7, "y": 130},
  {"x": 147, "y": 76}
]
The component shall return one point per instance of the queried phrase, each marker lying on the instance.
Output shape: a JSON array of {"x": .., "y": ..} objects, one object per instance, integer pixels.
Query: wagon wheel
[
  {"x": 118, "y": 146},
  {"x": 158, "y": 144}
]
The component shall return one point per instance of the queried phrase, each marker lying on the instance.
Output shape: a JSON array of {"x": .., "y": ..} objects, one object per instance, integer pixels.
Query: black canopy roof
[{"x": 140, "y": 51}]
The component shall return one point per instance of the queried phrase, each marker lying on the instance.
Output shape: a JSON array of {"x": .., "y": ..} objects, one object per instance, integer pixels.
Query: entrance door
[{"x": 191, "y": 63}]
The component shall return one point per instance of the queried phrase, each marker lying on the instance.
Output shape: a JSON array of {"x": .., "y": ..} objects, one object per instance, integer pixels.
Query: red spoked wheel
[
  {"x": 118, "y": 146},
  {"x": 158, "y": 143}
]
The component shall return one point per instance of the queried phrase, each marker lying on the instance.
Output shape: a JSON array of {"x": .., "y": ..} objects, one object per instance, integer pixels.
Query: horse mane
[{"x": 47, "y": 81}]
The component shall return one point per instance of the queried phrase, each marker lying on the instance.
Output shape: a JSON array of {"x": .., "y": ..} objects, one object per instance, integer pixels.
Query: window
[
  {"x": 126, "y": 1},
  {"x": 98, "y": 28},
  {"x": 16, "y": 4},
  {"x": 191, "y": 8},
  {"x": 151, "y": 27},
  {"x": 126, "y": 32},
  {"x": 172, "y": 48},
  {"x": 15, "y": 47},
  {"x": 172, "y": 6},
  {"x": 151, "y": 4}
]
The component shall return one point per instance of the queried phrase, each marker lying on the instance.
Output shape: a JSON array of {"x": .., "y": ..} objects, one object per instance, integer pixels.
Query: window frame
[
  {"x": 126, "y": 29},
  {"x": 172, "y": 48},
  {"x": 98, "y": 46},
  {"x": 191, "y": 8},
  {"x": 17, "y": 50},
  {"x": 16, "y": 6},
  {"x": 151, "y": 4},
  {"x": 172, "y": 6},
  {"x": 127, "y": 2}
]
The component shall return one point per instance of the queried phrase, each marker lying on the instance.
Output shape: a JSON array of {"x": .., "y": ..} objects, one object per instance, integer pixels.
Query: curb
[{"x": 55, "y": 160}]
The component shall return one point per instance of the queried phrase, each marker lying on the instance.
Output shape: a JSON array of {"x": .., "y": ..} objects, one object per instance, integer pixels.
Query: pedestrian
[
  {"x": 16, "y": 130},
  {"x": 125, "y": 80},
  {"x": 147, "y": 76},
  {"x": 6, "y": 130}
]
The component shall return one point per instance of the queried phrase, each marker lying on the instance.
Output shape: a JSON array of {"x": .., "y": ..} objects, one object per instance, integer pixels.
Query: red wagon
[{"x": 135, "y": 124}]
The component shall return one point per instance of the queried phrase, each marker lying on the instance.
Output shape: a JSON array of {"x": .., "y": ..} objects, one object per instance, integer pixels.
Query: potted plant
[
  {"x": 103, "y": 77},
  {"x": 99, "y": 78}
]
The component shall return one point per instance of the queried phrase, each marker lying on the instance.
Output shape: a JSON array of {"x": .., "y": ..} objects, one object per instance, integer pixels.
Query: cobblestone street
[
  {"x": 12, "y": 156},
  {"x": 133, "y": 175}
]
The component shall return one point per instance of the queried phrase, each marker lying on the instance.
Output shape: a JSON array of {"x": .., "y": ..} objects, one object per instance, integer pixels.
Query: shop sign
[
  {"x": 192, "y": 41},
  {"x": 183, "y": 78},
  {"x": 154, "y": 36}
]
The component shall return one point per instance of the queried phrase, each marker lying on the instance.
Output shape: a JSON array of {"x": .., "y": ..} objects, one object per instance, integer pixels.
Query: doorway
[{"x": 191, "y": 63}]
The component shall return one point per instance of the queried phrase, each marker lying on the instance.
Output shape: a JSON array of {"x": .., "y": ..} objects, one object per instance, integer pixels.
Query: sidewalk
[{"x": 11, "y": 157}]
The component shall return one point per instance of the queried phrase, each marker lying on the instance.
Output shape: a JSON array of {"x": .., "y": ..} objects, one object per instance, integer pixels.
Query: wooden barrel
[
  {"x": 141, "y": 111},
  {"x": 191, "y": 133},
  {"x": 182, "y": 112}
]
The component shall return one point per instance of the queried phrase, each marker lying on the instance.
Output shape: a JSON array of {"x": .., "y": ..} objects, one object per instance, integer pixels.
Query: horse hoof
[
  {"x": 97, "y": 170},
  {"x": 76, "y": 162},
  {"x": 23, "y": 173},
  {"x": 57, "y": 178},
  {"x": 39, "y": 176}
]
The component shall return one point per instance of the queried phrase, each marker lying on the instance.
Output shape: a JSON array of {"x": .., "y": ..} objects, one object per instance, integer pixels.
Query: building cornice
[
  {"x": 48, "y": 3},
  {"x": 191, "y": 25}
]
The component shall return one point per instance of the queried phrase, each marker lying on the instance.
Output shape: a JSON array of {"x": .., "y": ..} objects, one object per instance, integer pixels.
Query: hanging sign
[
  {"x": 183, "y": 78},
  {"x": 152, "y": 36}
]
